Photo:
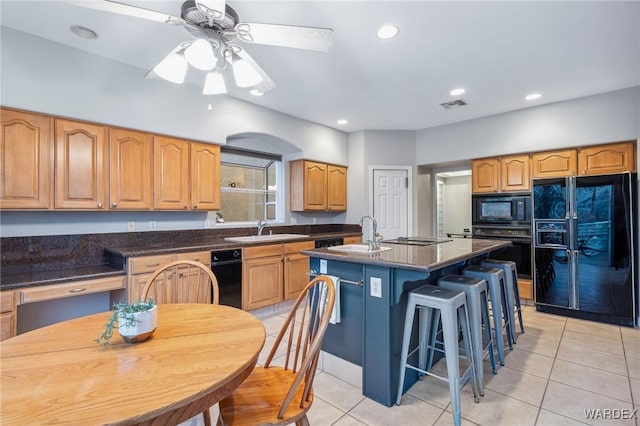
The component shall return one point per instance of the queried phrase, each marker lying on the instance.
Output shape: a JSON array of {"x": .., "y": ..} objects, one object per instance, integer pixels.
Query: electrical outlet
[
  {"x": 315, "y": 220},
  {"x": 207, "y": 223},
  {"x": 323, "y": 266},
  {"x": 294, "y": 220},
  {"x": 376, "y": 287},
  {"x": 131, "y": 226},
  {"x": 152, "y": 225}
]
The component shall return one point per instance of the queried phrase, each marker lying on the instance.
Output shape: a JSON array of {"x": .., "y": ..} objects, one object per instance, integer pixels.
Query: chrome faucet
[
  {"x": 374, "y": 244},
  {"x": 261, "y": 225}
]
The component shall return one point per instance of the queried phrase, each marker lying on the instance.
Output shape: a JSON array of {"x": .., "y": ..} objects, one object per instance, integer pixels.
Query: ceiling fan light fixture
[
  {"x": 256, "y": 92},
  {"x": 214, "y": 84},
  {"x": 172, "y": 68},
  {"x": 200, "y": 55},
  {"x": 533, "y": 96},
  {"x": 244, "y": 74}
]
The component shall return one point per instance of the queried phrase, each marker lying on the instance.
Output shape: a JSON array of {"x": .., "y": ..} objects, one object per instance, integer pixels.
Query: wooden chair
[
  {"x": 279, "y": 395},
  {"x": 183, "y": 281}
]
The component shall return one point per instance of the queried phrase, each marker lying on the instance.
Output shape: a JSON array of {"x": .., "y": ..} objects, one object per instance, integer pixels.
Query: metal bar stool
[
  {"x": 497, "y": 293},
  {"x": 453, "y": 309},
  {"x": 511, "y": 278},
  {"x": 475, "y": 290}
]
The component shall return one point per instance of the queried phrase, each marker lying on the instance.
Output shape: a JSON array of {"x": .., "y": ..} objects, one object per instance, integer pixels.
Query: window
[{"x": 250, "y": 185}]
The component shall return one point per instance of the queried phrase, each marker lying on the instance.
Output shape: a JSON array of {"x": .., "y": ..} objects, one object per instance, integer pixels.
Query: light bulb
[
  {"x": 172, "y": 68},
  {"x": 244, "y": 74},
  {"x": 200, "y": 55}
]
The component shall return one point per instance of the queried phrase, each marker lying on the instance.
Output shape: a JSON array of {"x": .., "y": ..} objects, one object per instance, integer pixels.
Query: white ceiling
[{"x": 498, "y": 51}]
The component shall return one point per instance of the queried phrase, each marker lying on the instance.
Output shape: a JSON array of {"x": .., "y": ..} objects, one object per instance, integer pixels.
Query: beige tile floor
[{"x": 558, "y": 369}]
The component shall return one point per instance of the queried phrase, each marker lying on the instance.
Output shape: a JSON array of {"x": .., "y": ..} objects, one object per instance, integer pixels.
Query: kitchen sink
[
  {"x": 357, "y": 248},
  {"x": 417, "y": 241},
  {"x": 265, "y": 238}
]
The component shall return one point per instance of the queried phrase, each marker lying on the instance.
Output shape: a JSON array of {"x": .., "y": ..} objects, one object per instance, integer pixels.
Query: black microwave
[{"x": 499, "y": 209}]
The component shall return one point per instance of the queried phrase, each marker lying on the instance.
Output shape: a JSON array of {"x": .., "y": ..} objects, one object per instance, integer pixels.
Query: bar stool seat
[
  {"x": 497, "y": 293},
  {"x": 453, "y": 310},
  {"x": 475, "y": 290},
  {"x": 511, "y": 279}
]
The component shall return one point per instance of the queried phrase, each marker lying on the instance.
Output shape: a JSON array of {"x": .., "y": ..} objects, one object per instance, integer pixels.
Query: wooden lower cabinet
[
  {"x": 140, "y": 269},
  {"x": 352, "y": 240},
  {"x": 296, "y": 268},
  {"x": 7, "y": 315},
  {"x": 525, "y": 288}
]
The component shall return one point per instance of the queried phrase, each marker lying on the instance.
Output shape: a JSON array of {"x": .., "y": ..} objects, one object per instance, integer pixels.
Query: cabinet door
[
  {"x": 26, "y": 158},
  {"x": 261, "y": 282},
  {"x": 352, "y": 240},
  {"x": 515, "y": 174},
  {"x": 7, "y": 315},
  {"x": 555, "y": 163},
  {"x": 604, "y": 159},
  {"x": 160, "y": 292},
  {"x": 130, "y": 158},
  {"x": 315, "y": 186},
  {"x": 337, "y": 188},
  {"x": 484, "y": 173},
  {"x": 205, "y": 176},
  {"x": 81, "y": 166},
  {"x": 296, "y": 270},
  {"x": 171, "y": 173}
]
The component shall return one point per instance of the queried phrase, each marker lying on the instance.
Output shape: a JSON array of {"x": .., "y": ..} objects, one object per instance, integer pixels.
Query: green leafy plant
[{"x": 125, "y": 312}]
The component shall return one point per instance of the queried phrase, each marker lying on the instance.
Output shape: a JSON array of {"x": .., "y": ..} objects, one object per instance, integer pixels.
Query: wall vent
[{"x": 454, "y": 104}]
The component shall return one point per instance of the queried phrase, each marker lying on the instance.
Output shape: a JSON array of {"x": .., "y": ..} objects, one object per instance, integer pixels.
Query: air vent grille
[{"x": 454, "y": 104}]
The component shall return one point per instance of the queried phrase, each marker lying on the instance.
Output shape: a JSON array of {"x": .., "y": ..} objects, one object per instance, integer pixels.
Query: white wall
[
  {"x": 42, "y": 76},
  {"x": 457, "y": 204}
]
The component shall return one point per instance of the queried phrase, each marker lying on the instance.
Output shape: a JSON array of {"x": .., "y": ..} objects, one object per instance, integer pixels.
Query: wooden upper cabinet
[
  {"x": 26, "y": 158},
  {"x": 336, "y": 188},
  {"x": 604, "y": 159},
  {"x": 171, "y": 173},
  {"x": 81, "y": 165},
  {"x": 130, "y": 160},
  {"x": 484, "y": 175},
  {"x": 205, "y": 176},
  {"x": 317, "y": 186},
  {"x": 515, "y": 174},
  {"x": 555, "y": 163}
]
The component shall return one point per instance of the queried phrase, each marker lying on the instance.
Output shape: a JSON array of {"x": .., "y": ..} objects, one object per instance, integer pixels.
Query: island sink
[
  {"x": 358, "y": 248},
  {"x": 265, "y": 238}
]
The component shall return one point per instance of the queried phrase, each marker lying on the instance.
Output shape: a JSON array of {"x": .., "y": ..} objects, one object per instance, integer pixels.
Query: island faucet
[
  {"x": 261, "y": 225},
  {"x": 374, "y": 244}
]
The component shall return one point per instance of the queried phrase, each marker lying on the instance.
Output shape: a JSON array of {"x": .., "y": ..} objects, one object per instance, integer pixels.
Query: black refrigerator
[{"x": 585, "y": 247}]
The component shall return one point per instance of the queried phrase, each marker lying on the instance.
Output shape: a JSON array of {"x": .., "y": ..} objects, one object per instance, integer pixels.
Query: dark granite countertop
[
  {"x": 58, "y": 276},
  {"x": 417, "y": 258}
]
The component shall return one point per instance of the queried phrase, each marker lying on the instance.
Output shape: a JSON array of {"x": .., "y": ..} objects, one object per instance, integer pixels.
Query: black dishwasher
[{"x": 227, "y": 267}]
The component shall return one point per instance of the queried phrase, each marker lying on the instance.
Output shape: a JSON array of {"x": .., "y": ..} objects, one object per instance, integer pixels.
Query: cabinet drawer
[
  {"x": 77, "y": 288},
  {"x": 203, "y": 257},
  {"x": 298, "y": 247},
  {"x": 6, "y": 301},
  {"x": 262, "y": 251},
  {"x": 140, "y": 265},
  {"x": 352, "y": 240}
]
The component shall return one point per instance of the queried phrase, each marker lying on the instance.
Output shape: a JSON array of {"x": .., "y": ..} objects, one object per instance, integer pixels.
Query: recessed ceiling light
[
  {"x": 533, "y": 96},
  {"x": 209, "y": 107},
  {"x": 386, "y": 32},
  {"x": 456, "y": 92},
  {"x": 83, "y": 32},
  {"x": 343, "y": 121},
  {"x": 256, "y": 92}
]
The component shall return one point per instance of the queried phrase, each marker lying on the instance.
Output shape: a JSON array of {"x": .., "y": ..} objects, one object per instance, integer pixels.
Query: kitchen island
[{"x": 373, "y": 297}]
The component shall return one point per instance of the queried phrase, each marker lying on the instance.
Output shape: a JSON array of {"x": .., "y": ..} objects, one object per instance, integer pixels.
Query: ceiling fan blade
[
  {"x": 309, "y": 38},
  {"x": 266, "y": 84},
  {"x": 125, "y": 9}
]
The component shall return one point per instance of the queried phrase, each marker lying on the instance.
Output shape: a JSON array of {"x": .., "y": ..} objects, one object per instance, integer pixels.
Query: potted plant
[{"x": 136, "y": 322}]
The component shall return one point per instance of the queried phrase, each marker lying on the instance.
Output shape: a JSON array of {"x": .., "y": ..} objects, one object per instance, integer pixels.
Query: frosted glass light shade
[
  {"x": 214, "y": 84},
  {"x": 172, "y": 68},
  {"x": 200, "y": 55},
  {"x": 244, "y": 74}
]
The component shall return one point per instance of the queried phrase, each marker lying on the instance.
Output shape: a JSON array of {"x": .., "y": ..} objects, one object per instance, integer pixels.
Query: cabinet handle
[
  {"x": 195, "y": 206},
  {"x": 185, "y": 206},
  {"x": 99, "y": 205},
  {"x": 114, "y": 205},
  {"x": 153, "y": 265},
  {"x": 77, "y": 290}
]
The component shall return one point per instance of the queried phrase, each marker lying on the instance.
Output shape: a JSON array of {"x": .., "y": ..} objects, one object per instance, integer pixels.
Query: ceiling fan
[{"x": 216, "y": 28}]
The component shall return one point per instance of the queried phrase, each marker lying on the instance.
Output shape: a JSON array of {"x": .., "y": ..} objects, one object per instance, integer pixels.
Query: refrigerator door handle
[{"x": 575, "y": 291}]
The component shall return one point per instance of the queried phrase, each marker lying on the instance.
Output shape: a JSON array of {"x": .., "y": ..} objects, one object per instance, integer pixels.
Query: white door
[{"x": 390, "y": 202}]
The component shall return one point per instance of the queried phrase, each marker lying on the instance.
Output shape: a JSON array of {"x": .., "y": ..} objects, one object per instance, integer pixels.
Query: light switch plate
[
  {"x": 323, "y": 266},
  {"x": 376, "y": 286}
]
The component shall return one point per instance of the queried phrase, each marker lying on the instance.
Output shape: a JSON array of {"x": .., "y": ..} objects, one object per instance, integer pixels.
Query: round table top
[{"x": 57, "y": 374}]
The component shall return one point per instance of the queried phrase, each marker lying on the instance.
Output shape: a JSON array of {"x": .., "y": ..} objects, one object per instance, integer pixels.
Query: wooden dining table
[{"x": 58, "y": 374}]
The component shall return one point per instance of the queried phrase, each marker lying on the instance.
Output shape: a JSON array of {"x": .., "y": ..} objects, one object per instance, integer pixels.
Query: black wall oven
[
  {"x": 520, "y": 250},
  {"x": 494, "y": 209}
]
